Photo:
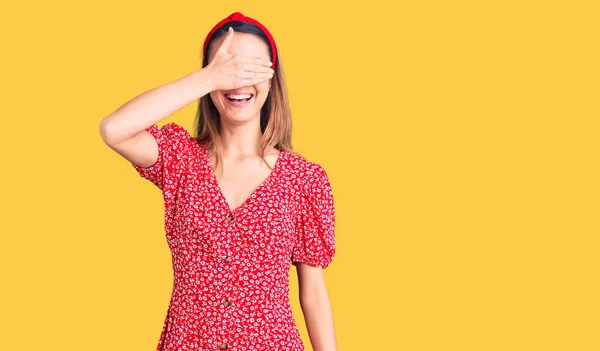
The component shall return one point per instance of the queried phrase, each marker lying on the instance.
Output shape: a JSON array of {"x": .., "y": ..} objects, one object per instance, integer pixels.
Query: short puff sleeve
[
  {"x": 174, "y": 146},
  {"x": 315, "y": 225}
]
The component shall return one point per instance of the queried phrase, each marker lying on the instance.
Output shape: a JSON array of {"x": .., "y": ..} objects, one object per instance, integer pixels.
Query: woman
[{"x": 240, "y": 204}]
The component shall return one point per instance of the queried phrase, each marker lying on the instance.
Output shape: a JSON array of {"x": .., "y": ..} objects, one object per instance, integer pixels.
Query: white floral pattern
[{"x": 231, "y": 267}]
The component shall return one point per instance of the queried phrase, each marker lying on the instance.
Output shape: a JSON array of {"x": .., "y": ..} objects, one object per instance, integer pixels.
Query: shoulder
[
  {"x": 307, "y": 173},
  {"x": 175, "y": 135},
  {"x": 174, "y": 130}
]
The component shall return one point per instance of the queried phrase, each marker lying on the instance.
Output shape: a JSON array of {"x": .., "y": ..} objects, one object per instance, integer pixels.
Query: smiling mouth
[{"x": 246, "y": 99}]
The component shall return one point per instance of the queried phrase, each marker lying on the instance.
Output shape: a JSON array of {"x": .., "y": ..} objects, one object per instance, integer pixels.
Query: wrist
[{"x": 201, "y": 82}]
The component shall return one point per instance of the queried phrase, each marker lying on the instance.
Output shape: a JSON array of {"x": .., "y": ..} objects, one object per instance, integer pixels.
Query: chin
[{"x": 238, "y": 113}]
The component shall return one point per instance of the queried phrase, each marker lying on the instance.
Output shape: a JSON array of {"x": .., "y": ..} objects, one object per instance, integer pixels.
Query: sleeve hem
[
  {"x": 153, "y": 172},
  {"x": 323, "y": 263}
]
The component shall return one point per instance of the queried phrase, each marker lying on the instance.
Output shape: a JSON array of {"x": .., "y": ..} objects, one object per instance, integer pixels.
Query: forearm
[
  {"x": 153, "y": 106},
  {"x": 318, "y": 316}
]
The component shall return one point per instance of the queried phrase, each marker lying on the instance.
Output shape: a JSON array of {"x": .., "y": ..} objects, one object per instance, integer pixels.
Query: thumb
[{"x": 224, "y": 47}]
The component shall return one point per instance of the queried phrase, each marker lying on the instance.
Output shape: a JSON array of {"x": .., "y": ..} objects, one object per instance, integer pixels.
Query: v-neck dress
[{"x": 231, "y": 266}]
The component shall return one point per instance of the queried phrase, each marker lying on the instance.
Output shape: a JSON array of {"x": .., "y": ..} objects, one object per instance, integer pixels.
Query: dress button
[
  {"x": 223, "y": 346},
  {"x": 226, "y": 303},
  {"x": 228, "y": 259},
  {"x": 229, "y": 218}
]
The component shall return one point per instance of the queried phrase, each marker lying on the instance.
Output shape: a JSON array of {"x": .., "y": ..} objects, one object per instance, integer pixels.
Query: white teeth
[{"x": 240, "y": 96}]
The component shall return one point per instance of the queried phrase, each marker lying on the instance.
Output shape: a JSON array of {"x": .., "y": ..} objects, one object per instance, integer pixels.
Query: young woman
[{"x": 240, "y": 205}]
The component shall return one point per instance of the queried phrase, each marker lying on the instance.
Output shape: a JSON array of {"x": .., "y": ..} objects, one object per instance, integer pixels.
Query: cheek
[
  {"x": 217, "y": 99},
  {"x": 262, "y": 88}
]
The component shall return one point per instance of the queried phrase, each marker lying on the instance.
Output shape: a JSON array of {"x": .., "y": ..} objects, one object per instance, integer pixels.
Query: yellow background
[{"x": 461, "y": 139}]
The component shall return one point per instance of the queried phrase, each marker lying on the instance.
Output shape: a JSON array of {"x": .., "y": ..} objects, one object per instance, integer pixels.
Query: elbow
[
  {"x": 102, "y": 128},
  {"x": 106, "y": 131}
]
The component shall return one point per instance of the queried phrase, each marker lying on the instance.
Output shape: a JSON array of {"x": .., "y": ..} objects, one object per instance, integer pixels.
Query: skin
[{"x": 233, "y": 66}]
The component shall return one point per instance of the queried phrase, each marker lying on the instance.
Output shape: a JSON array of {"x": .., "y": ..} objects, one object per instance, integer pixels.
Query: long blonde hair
[{"x": 275, "y": 114}]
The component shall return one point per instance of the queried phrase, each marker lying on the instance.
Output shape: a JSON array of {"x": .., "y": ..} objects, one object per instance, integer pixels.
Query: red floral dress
[{"x": 231, "y": 267}]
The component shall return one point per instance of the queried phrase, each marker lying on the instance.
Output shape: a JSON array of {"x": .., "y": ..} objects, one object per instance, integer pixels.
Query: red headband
[{"x": 237, "y": 16}]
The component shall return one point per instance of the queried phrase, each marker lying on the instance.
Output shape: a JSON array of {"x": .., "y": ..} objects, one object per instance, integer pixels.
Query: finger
[
  {"x": 251, "y": 74},
  {"x": 224, "y": 47},
  {"x": 252, "y": 81},
  {"x": 253, "y": 67},
  {"x": 255, "y": 60}
]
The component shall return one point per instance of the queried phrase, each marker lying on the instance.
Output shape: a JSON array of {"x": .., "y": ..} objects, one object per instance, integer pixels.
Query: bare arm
[
  {"x": 316, "y": 307},
  {"x": 124, "y": 130}
]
